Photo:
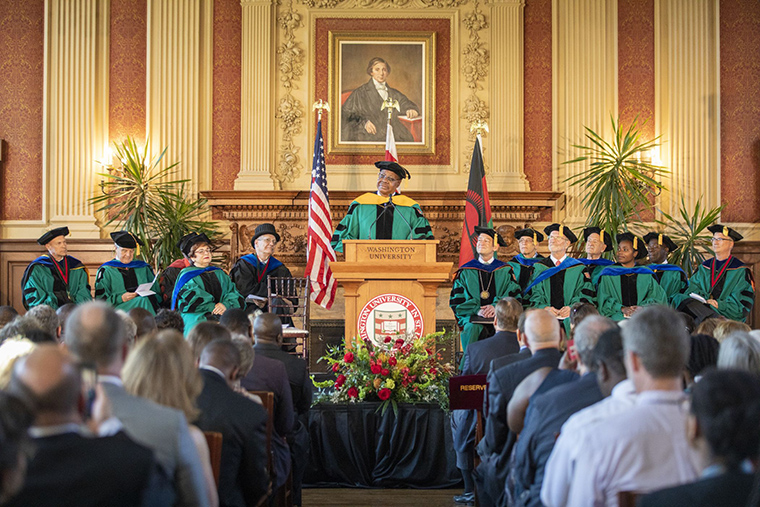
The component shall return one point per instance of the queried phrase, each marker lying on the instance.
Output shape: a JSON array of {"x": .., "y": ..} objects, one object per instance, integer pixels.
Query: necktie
[{"x": 557, "y": 263}]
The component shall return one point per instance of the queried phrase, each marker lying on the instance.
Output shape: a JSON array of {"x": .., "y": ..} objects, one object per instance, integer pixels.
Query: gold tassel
[
  {"x": 535, "y": 238},
  {"x": 659, "y": 239},
  {"x": 561, "y": 230},
  {"x": 635, "y": 243},
  {"x": 725, "y": 231},
  {"x": 137, "y": 245}
]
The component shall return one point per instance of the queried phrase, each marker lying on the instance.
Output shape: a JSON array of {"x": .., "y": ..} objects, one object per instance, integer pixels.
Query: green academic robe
[
  {"x": 198, "y": 290},
  {"x": 522, "y": 268},
  {"x": 470, "y": 281},
  {"x": 672, "y": 279},
  {"x": 114, "y": 279},
  {"x": 43, "y": 283},
  {"x": 371, "y": 216},
  {"x": 559, "y": 286},
  {"x": 734, "y": 289},
  {"x": 610, "y": 300}
]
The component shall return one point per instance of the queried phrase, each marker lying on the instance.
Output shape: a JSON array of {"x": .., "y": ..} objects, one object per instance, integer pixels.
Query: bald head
[
  {"x": 542, "y": 330},
  {"x": 49, "y": 379},
  {"x": 267, "y": 328},
  {"x": 96, "y": 334}
]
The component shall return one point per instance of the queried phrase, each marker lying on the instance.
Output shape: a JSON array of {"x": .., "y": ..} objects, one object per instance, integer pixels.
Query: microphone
[
  {"x": 385, "y": 208},
  {"x": 402, "y": 217}
]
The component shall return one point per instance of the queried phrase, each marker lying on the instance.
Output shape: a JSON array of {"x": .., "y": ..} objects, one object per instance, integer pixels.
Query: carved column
[
  {"x": 584, "y": 87},
  {"x": 256, "y": 111},
  {"x": 687, "y": 106},
  {"x": 75, "y": 111},
  {"x": 177, "y": 89},
  {"x": 506, "y": 136}
]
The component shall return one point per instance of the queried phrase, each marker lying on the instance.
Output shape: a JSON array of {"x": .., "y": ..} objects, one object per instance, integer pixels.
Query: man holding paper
[
  {"x": 721, "y": 286},
  {"x": 124, "y": 282}
]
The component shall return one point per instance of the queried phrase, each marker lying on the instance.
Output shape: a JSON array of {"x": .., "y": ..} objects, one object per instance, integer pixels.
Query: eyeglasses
[
  {"x": 385, "y": 177},
  {"x": 203, "y": 251},
  {"x": 720, "y": 239}
]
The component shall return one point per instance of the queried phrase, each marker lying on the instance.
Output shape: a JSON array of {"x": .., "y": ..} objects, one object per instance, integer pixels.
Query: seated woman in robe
[
  {"x": 117, "y": 280},
  {"x": 203, "y": 292}
]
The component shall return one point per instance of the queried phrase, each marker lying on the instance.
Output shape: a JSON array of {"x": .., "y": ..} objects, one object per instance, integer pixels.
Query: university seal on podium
[{"x": 390, "y": 315}]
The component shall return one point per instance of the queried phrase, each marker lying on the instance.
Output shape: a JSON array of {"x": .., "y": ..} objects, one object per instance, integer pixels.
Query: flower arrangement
[{"x": 396, "y": 371}]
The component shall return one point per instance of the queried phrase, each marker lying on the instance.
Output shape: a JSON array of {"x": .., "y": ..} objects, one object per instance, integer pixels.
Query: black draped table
[{"x": 354, "y": 445}]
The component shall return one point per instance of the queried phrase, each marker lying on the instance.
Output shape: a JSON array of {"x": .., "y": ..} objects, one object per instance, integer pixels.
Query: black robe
[{"x": 364, "y": 105}]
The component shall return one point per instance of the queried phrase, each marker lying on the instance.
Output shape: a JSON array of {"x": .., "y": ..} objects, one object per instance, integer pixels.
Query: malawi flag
[{"x": 477, "y": 209}]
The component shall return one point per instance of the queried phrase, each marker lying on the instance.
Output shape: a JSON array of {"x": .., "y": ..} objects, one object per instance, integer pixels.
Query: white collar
[
  {"x": 480, "y": 260},
  {"x": 58, "y": 429},
  {"x": 380, "y": 86},
  {"x": 554, "y": 259},
  {"x": 111, "y": 379},
  {"x": 215, "y": 370}
]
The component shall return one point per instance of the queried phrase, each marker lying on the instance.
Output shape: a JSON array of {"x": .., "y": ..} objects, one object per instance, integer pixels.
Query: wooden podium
[{"x": 383, "y": 279}]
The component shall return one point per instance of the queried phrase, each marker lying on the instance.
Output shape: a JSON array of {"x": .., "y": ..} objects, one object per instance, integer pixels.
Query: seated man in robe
[
  {"x": 672, "y": 278},
  {"x": 55, "y": 278},
  {"x": 522, "y": 263},
  {"x": 724, "y": 282},
  {"x": 168, "y": 276},
  {"x": 597, "y": 242},
  {"x": 252, "y": 271},
  {"x": 559, "y": 280},
  {"x": 625, "y": 288},
  {"x": 383, "y": 215},
  {"x": 117, "y": 279},
  {"x": 479, "y": 285}
]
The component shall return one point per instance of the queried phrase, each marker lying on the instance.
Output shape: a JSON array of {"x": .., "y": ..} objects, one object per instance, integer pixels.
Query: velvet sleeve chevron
[
  {"x": 348, "y": 228},
  {"x": 193, "y": 298},
  {"x": 421, "y": 225}
]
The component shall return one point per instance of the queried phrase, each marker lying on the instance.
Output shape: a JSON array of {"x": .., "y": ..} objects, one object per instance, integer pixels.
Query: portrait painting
[{"x": 374, "y": 74}]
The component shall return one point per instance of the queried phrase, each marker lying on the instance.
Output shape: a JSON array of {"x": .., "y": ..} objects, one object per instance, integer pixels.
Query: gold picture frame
[{"x": 409, "y": 60}]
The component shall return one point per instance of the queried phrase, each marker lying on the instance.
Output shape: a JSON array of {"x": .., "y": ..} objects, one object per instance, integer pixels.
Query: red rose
[
  {"x": 336, "y": 367},
  {"x": 399, "y": 341},
  {"x": 433, "y": 371},
  {"x": 375, "y": 369},
  {"x": 384, "y": 393},
  {"x": 392, "y": 361},
  {"x": 387, "y": 339},
  {"x": 349, "y": 357},
  {"x": 353, "y": 392},
  {"x": 384, "y": 372},
  {"x": 340, "y": 381},
  {"x": 429, "y": 352}
]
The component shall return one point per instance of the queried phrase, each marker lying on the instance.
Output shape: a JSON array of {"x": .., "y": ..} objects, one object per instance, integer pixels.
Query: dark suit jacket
[
  {"x": 301, "y": 388},
  {"x": 503, "y": 361},
  {"x": 546, "y": 414},
  {"x": 243, "y": 478},
  {"x": 364, "y": 104},
  {"x": 72, "y": 470},
  {"x": 270, "y": 375},
  {"x": 479, "y": 354},
  {"x": 727, "y": 490}
]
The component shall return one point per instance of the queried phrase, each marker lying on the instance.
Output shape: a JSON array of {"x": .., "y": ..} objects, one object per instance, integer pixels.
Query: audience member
[
  {"x": 543, "y": 335},
  {"x": 15, "y": 419},
  {"x": 95, "y": 334},
  {"x": 63, "y": 314},
  {"x": 11, "y": 350},
  {"x": 267, "y": 330},
  {"x": 578, "y": 312},
  {"x": 47, "y": 318},
  {"x": 23, "y": 326},
  {"x": 7, "y": 314},
  {"x": 130, "y": 328},
  {"x": 247, "y": 355},
  {"x": 725, "y": 327},
  {"x": 68, "y": 467},
  {"x": 619, "y": 394},
  {"x": 703, "y": 353},
  {"x": 161, "y": 369},
  {"x": 645, "y": 447},
  {"x": 144, "y": 320},
  {"x": 170, "y": 319},
  {"x": 708, "y": 326},
  {"x": 547, "y": 412},
  {"x": 524, "y": 352},
  {"x": 236, "y": 320},
  {"x": 203, "y": 334},
  {"x": 243, "y": 479},
  {"x": 724, "y": 427},
  {"x": 740, "y": 352}
]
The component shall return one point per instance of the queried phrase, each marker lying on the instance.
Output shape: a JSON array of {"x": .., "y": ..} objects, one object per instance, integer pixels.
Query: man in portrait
[{"x": 363, "y": 118}]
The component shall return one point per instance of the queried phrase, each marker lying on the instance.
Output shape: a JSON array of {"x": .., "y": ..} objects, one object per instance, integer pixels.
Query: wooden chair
[
  {"x": 214, "y": 441},
  {"x": 283, "y": 497},
  {"x": 290, "y": 297},
  {"x": 627, "y": 498}
]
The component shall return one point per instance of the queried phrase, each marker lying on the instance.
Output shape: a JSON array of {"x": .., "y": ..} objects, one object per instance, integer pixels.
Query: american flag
[{"x": 319, "y": 252}]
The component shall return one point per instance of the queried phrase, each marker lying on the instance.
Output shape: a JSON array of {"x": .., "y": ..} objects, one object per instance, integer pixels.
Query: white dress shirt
[
  {"x": 486, "y": 262},
  {"x": 382, "y": 89},
  {"x": 561, "y": 465},
  {"x": 641, "y": 449},
  {"x": 555, "y": 260}
]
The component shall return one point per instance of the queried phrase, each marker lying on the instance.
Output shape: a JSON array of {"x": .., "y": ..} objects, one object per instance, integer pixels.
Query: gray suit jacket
[{"x": 163, "y": 430}]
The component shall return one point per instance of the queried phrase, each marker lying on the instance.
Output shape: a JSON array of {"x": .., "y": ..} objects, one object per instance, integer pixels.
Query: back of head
[
  {"x": 95, "y": 334},
  {"x": 24, "y": 326},
  {"x": 708, "y": 326},
  {"x": 508, "y": 312},
  {"x": 704, "y": 353},
  {"x": 542, "y": 330},
  {"x": 222, "y": 355},
  {"x": 247, "y": 354},
  {"x": 130, "y": 328},
  {"x": 11, "y": 350},
  {"x": 609, "y": 350},
  {"x": 46, "y": 317},
  {"x": 204, "y": 333},
  {"x": 236, "y": 321},
  {"x": 726, "y": 327},
  {"x": 727, "y": 407},
  {"x": 267, "y": 327},
  {"x": 169, "y": 319},
  {"x": 7, "y": 314},
  {"x": 145, "y": 321},
  {"x": 658, "y": 336},
  {"x": 740, "y": 351},
  {"x": 587, "y": 335},
  {"x": 580, "y": 311},
  {"x": 161, "y": 368},
  {"x": 49, "y": 380},
  {"x": 63, "y": 313}
]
